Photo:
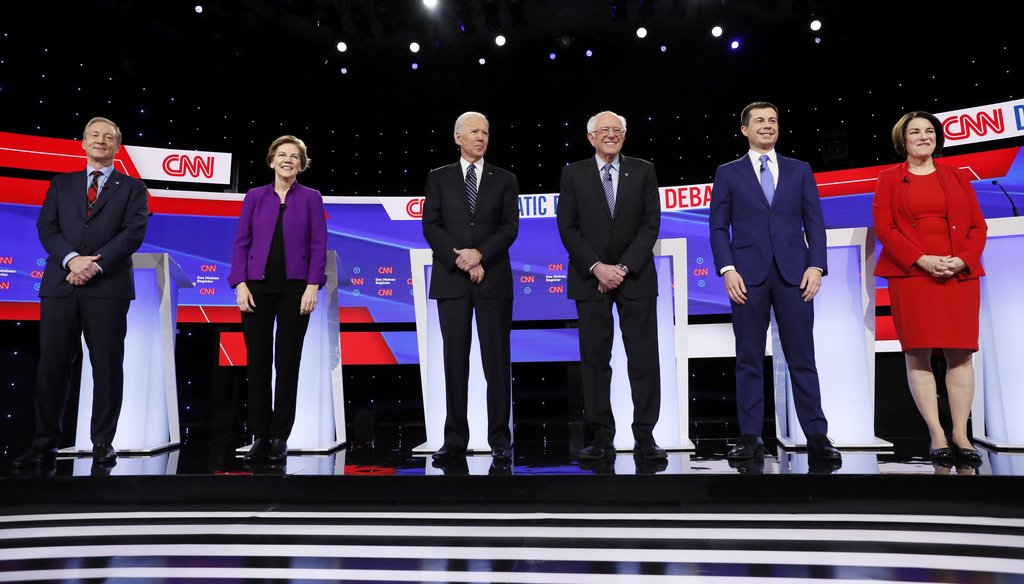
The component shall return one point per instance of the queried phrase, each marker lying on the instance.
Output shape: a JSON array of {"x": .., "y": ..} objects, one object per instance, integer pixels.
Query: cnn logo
[{"x": 179, "y": 165}]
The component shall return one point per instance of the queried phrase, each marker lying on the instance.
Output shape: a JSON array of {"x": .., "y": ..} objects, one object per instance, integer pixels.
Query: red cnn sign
[
  {"x": 961, "y": 127},
  {"x": 415, "y": 208},
  {"x": 179, "y": 165}
]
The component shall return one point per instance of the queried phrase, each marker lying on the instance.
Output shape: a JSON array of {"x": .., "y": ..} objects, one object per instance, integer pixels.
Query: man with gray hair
[
  {"x": 470, "y": 219},
  {"x": 90, "y": 224},
  {"x": 609, "y": 215}
]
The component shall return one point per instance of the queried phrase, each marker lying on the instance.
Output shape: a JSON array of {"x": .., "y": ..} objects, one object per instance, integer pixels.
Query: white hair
[
  {"x": 461, "y": 120},
  {"x": 592, "y": 122}
]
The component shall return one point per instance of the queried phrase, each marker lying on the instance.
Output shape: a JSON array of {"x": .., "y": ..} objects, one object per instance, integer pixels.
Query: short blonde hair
[{"x": 289, "y": 139}]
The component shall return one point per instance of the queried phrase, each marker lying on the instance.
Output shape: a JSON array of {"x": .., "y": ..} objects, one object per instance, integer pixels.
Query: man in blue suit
[
  {"x": 773, "y": 259},
  {"x": 90, "y": 224}
]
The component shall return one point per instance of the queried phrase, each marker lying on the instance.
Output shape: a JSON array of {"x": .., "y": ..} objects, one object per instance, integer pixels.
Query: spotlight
[
  {"x": 552, "y": 56},
  {"x": 734, "y": 45},
  {"x": 817, "y": 40},
  {"x": 717, "y": 31},
  {"x": 431, "y": 4},
  {"x": 415, "y": 66},
  {"x": 589, "y": 53},
  {"x": 641, "y": 32},
  {"x": 414, "y": 47},
  {"x": 815, "y": 25},
  {"x": 199, "y": 8},
  {"x": 482, "y": 61},
  {"x": 500, "y": 40},
  {"x": 664, "y": 49},
  {"x": 344, "y": 70},
  {"x": 342, "y": 47}
]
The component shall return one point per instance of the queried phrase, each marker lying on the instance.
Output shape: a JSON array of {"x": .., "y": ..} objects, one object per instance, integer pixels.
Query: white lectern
[
  {"x": 998, "y": 409},
  {"x": 844, "y": 347},
  {"x": 149, "y": 410}
]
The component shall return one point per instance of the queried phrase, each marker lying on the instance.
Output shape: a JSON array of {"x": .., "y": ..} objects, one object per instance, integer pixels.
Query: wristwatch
[{"x": 623, "y": 267}]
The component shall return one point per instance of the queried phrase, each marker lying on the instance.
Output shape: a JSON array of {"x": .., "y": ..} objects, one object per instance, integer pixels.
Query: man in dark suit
[
  {"x": 609, "y": 215},
  {"x": 774, "y": 259},
  {"x": 470, "y": 219},
  {"x": 90, "y": 224}
]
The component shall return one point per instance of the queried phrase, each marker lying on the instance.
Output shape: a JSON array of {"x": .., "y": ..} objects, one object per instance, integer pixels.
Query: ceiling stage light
[
  {"x": 717, "y": 31},
  {"x": 815, "y": 25},
  {"x": 342, "y": 47},
  {"x": 414, "y": 47},
  {"x": 641, "y": 32},
  {"x": 500, "y": 40}
]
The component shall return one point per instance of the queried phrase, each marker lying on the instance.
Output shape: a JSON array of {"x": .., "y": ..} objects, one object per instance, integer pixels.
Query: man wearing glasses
[{"x": 608, "y": 217}]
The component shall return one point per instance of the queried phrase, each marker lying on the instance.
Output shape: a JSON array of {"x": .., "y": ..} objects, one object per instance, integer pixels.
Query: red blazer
[{"x": 898, "y": 232}]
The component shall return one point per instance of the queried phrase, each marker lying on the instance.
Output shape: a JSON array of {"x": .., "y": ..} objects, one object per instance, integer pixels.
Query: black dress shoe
[
  {"x": 447, "y": 452},
  {"x": 277, "y": 451},
  {"x": 941, "y": 456},
  {"x": 820, "y": 447},
  {"x": 502, "y": 454},
  {"x": 649, "y": 450},
  {"x": 968, "y": 457},
  {"x": 103, "y": 453},
  {"x": 258, "y": 450},
  {"x": 596, "y": 452},
  {"x": 36, "y": 457},
  {"x": 749, "y": 466},
  {"x": 747, "y": 447}
]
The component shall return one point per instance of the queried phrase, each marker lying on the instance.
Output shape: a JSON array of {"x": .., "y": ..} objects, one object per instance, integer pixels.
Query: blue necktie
[
  {"x": 471, "y": 188},
  {"x": 767, "y": 181},
  {"x": 609, "y": 188}
]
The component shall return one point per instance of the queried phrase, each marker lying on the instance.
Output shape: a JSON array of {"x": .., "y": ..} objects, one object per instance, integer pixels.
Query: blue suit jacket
[
  {"x": 790, "y": 232},
  {"x": 114, "y": 230}
]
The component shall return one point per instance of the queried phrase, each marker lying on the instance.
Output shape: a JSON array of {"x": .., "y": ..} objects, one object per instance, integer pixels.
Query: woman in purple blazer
[{"x": 277, "y": 266}]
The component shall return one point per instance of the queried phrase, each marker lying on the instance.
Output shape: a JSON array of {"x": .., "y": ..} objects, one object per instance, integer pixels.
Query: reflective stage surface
[{"x": 376, "y": 512}]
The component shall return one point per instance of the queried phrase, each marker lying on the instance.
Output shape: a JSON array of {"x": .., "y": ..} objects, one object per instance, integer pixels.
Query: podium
[
  {"x": 999, "y": 364},
  {"x": 320, "y": 403},
  {"x": 149, "y": 410},
  {"x": 844, "y": 347},
  {"x": 671, "y": 430}
]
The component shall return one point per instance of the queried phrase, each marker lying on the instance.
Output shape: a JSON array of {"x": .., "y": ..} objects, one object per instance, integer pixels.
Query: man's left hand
[
  {"x": 810, "y": 283},
  {"x": 468, "y": 258}
]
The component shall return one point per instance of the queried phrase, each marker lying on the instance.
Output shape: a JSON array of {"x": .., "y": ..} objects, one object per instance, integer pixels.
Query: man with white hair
[
  {"x": 609, "y": 215},
  {"x": 470, "y": 219}
]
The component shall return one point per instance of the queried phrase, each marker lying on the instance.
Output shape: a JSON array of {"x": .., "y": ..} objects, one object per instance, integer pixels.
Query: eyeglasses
[{"x": 609, "y": 131}]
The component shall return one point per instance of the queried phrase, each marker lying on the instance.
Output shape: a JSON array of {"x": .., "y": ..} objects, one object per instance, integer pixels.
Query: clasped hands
[
  {"x": 82, "y": 269},
  {"x": 941, "y": 266},
  {"x": 469, "y": 260},
  {"x": 609, "y": 277}
]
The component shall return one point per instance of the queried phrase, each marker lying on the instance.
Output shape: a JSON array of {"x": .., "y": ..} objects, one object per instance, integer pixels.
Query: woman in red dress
[{"x": 932, "y": 232}]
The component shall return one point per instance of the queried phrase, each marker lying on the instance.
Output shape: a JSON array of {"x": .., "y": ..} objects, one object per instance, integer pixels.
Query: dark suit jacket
[
  {"x": 763, "y": 234},
  {"x": 114, "y": 230},
  {"x": 447, "y": 224},
  {"x": 590, "y": 234},
  {"x": 901, "y": 246}
]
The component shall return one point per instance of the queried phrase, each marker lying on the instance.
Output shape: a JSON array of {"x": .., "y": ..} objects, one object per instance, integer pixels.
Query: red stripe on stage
[
  {"x": 855, "y": 181},
  {"x": 206, "y": 207},
  {"x": 366, "y": 348},
  {"x": 232, "y": 350},
  {"x": 885, "y": 328},
  {"x": 19, "y": 311},
  {"x": 355, "y": 314},
  {"x": 22, "y": 191},
  {"x": 362, "y": 348}
]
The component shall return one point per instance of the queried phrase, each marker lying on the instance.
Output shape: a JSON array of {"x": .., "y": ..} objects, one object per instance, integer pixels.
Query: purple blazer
[{"x": 305, "y": 235}]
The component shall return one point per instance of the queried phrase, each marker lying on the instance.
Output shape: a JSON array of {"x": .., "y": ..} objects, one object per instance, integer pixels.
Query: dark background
[{"x": 237, "y": 75}]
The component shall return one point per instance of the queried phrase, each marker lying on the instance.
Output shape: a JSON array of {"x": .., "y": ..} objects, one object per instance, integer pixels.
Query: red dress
[{"x": 933, "y": 313}]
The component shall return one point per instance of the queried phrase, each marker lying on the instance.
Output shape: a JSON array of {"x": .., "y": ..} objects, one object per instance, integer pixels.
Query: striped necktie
[
  {"x": 471, "y": 188},
  {"x": 94, "y": 191}
]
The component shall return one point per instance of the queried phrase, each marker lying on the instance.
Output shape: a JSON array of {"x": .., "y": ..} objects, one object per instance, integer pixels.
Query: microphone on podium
[{"x": 1016, "y": 213}]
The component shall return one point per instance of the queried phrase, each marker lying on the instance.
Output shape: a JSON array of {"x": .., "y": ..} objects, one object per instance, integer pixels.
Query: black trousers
[
  {"x": 638, "y": 321},
  {"x": 62, "y": 322},
  {"x": 493, "y": 323},
  {"x": 274, "y": 303}
]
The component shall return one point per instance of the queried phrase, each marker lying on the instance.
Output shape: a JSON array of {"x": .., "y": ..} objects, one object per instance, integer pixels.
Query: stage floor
[{"x": 374, "y": 513}]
